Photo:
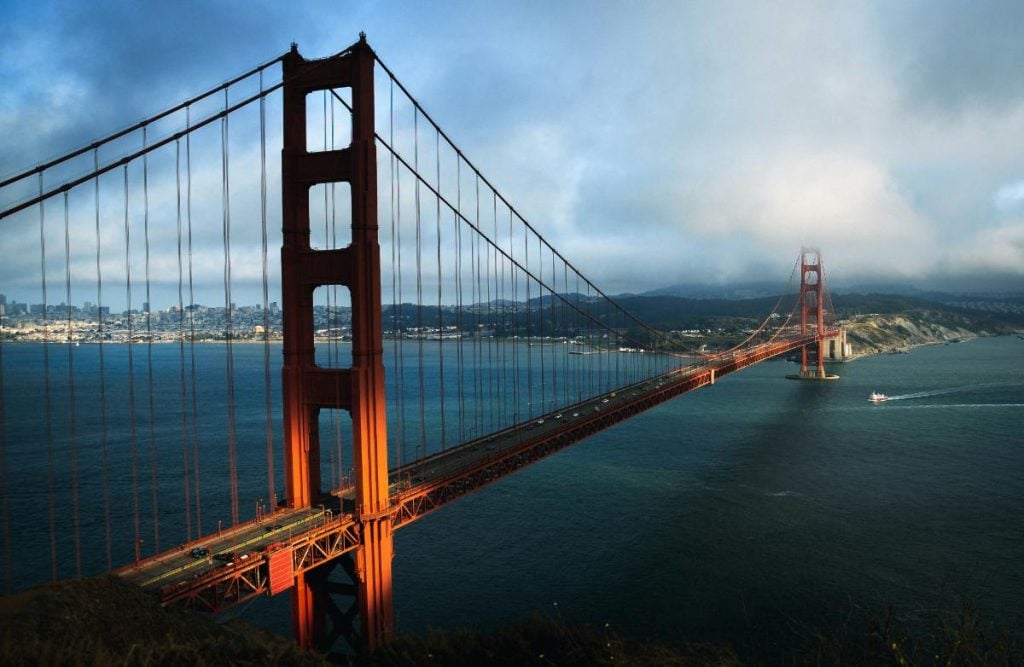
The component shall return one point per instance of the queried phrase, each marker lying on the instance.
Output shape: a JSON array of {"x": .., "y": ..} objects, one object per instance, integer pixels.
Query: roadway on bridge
[{"x": 234, "y": 546}]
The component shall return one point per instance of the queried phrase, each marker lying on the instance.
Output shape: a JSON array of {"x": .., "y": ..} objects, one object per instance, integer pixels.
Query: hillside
[
  {"x": 875, "y": 323},
  {"x": 107, "y": 621},
  {"x": 876, "y": 334}
]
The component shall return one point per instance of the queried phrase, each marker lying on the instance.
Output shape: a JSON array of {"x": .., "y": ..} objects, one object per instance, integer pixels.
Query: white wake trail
[{"x": 939, "y": 392}]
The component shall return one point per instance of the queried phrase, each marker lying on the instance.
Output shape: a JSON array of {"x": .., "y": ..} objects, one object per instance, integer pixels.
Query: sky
[{"x": 652, "y": 143}]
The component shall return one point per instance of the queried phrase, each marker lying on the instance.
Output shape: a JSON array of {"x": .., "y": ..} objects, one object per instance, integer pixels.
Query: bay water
[{"x": 724, "y": 515}]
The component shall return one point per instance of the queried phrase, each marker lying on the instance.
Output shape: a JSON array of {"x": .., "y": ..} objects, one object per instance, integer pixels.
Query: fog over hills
[{"x": 937, "y": 290}]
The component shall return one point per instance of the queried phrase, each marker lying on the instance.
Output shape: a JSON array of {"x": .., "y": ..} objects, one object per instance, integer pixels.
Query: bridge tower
[
  {"x": 812, "y": 310},
  {"x": 307, "y": 388}
]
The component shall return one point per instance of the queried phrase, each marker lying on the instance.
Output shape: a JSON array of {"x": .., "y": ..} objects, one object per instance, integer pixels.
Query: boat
[{"x": 875, "y": 397}]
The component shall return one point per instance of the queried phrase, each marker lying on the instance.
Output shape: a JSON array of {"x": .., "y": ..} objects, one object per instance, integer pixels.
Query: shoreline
[{"x": 874, "y": 349}]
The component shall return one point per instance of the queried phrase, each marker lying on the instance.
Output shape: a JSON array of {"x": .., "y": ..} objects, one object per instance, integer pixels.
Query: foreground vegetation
[
  {"x": 106, "y": 621},
  {"x": 960, "y": 637}
]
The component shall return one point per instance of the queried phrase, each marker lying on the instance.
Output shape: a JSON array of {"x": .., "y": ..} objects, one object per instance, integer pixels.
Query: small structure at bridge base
[{"x": 811, "y": 375}]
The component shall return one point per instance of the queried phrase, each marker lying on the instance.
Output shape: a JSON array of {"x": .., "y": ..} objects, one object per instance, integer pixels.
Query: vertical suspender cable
[
  {"x": 613, "y": 348},
  {"x": 557, "y": 333},
  {"x": 75, "y": 515},
  {"x": 580, "y": 370},
  {"x": 487, "y": 321},
  {"x": 505, "y": 340},
  {"x": 440, "y": 316},
  {"x": 154, "y": 490},
  {"x": 491, "y": 340},
  {"x": 186, "y": 469},
  {"x": 497, "y": 400},
  {"x": 602, "y": 359},
  {"x": 192, "y": 322},
  {"x": 131, "y": 375},
  {"x": 458, "y": 299},
  {"x": 567, "y": 329},
  {"x": 401, "y": 316},
  {"x": 595, "y": 368},
  {"x": 228, "y": 331},
  {"x": 396, "y": 282},
  {"x": 474, "y": 269},
  {"x": 422, "y": 450},
  {"x": 514, "y": 276},
  {"x": 616, "y": 353},
  {"x": 46, "y": 391},
  {"x": 540, "y": 310},
  {"x": 529, "y": 327},
  {"x": 606, "y": 357},
  {"x": 267, "y": 394},
  {"x": 102, "y": 371}
]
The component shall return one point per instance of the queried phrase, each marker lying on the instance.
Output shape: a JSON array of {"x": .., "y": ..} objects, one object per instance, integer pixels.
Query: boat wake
[
  {"x": 936, "y": 392},
  {"x": 949, "y": 406}
]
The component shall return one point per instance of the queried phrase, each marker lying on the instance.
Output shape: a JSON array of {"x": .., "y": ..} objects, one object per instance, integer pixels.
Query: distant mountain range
[{"x": 991, "y": 312}]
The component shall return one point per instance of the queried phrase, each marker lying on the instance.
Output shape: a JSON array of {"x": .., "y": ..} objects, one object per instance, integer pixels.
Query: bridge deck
[{"x": 315, "y": 535}]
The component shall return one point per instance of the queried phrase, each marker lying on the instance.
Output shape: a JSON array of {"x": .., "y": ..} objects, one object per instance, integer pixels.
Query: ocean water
[{"x": 725, "y": 515}]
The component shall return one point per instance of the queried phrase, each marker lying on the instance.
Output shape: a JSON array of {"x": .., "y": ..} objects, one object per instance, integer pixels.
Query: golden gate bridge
[{"x": 494, "y": 352}]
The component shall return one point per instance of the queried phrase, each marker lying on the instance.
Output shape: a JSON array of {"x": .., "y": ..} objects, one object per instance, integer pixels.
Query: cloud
[
  {"x": 998, "y": 251},
  {"x": 687, "y": 141},
  {"x": 950, "y": 57},
  {"x": 842, "y": 203},
  {"x": 1010, "y": 197}
]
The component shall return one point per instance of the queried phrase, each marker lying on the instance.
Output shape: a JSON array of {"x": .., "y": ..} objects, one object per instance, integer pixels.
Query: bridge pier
[
  {"x": 324, "y": 621},
  {"x": 360, "y": 389}
]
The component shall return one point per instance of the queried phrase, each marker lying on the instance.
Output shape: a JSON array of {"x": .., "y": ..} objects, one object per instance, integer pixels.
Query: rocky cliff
[{"x": 877, "y": 334}]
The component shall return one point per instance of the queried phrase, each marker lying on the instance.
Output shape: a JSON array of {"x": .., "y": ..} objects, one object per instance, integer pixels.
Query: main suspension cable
[
  {"x": 418, "y": 107},
  {"x": 492, "y": 245},
  {"x": 137, "y": 126}
]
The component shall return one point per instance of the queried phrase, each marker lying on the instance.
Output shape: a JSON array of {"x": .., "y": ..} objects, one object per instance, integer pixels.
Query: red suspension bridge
[{"x": 493, "y": 352}]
